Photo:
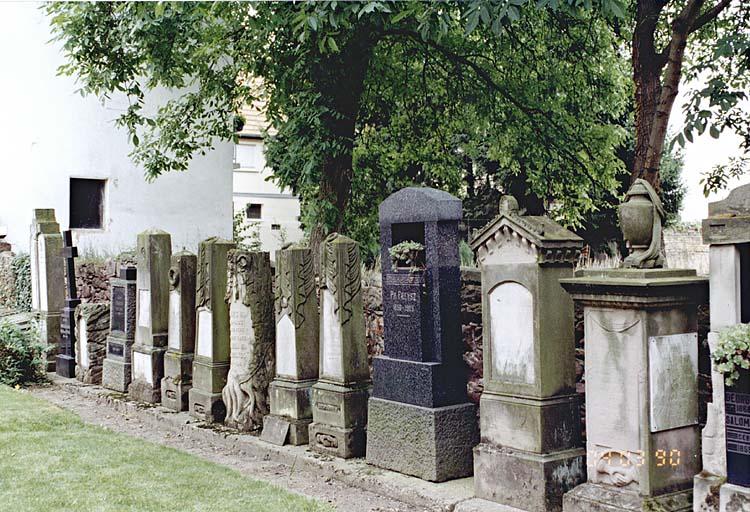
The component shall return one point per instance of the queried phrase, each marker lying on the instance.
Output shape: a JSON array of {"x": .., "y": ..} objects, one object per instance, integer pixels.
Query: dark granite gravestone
[
  {"x": 117, "y": 370},
  {"x": 419, "y": 383},
  {"x": 65, "y": 363},
  {"x": 737, "y": 403}
]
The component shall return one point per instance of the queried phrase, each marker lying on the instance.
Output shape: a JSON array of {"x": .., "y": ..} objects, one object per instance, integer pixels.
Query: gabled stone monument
[
  {"x": 339, "y": 399},
  {"x": 252, "y": 339},
  {"x": 65, "y": 361},
  {"x": 47, "y": 278},
  {"x": 727, "y": 231},
  {"x": 211, "y": 363},
  {"x": 419, "y": 420},
  {"x": 297, "y": 349},
  {"x": 92, "y": 323},
  {"x": 642, "y": 432},
  {"x": 154, "y": 251},
  {"x": 117, "y": 370},
  {"x": 531, "y": 451},
  {"x": 178, "y": 360}
]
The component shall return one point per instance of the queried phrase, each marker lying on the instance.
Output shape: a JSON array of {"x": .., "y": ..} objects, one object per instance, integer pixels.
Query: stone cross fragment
[
  {"x": 65, "y": 362},
  {"x": 252, "y": 339},
  {"x": 117, "y": 368},
  {"x": 154, "y": 251},
  {"x": 339, "y": 399},
  {"x": 92, "y": 324},
  {"x": 178, "y": 360},
  {"x": 211, "y": 361}
]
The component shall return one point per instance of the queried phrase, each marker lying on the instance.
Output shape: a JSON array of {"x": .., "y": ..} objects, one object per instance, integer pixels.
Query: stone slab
[
  {"x": 599, "y": 498},
  {"x": 275, "y": 430},
  {"x": 116, "y": 375},
  {"x": 339, "y": 442},
  {"x": 734, "y": 498},
  {"x": 706, "y": 492},
  {"x": 426, "y": 384},
  {"x": 673, "y": 381},
  {"x": 208, "y": 407},
  {"x": 480, "y": 505}
]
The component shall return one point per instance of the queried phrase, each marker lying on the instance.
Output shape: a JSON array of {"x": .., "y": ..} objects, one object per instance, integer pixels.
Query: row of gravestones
[{"x": 643, "y": 438}]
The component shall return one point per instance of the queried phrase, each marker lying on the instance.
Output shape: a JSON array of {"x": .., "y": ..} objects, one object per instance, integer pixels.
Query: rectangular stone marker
[
  {"x": 531, "y": 451},
  {"x": 737, "y": 402},
  {"x": 117, "y": 368},
  {"x": 47, "y": 278},
  {"x": 178, "y": 360},
  {"x": 65, "y": 363},
  {"x": 211, "y": 362},
  {"x": 297, "y": 344},
  {"x": 673, "y": 381},
  {"x": 339, "y": 399},
  {"x": 154, "y": 251},
  {"x": 252, "y": 339},
  {"x": 419, "y": 383},
  {"x": 92, "y": 322}
]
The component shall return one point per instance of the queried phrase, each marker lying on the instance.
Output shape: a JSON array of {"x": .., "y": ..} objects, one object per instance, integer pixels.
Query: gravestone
[
  {"x": 339, "y": 398},
  {"x": 640, "y": 324},
  {"x": 117, "y": 370},
  {"x": 154, "y": 251},
  {"x": 727, "y": 232},
  {"x": 211, "y": 362},
  {"x": 65, "y": 362},
  {"x": 531, "y": 451},
  {"x": 252, "y": 339},
  {"x": 297, "y": 349},
  {"x": 178, "y": 360},
  {"x": 47, "y": 278},
  {"x": 419, "y": 419},
  {"x": 92, "y": 324}
]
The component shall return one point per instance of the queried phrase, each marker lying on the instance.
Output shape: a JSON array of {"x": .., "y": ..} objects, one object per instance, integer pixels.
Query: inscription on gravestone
[
  {"x": 118, "y": 309},
  {"x": 738, "y": 434},
  {"x": 116, "y": 349},
  {"x": 404, "y": 304}
]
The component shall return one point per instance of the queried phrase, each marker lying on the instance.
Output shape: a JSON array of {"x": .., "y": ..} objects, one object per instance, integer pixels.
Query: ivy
[
  {"x": 21, "y": 267},
  {"x": 22, "y": 356}
]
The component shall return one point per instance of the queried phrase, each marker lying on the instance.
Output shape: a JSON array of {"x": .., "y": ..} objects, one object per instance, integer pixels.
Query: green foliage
[
  {"x": 407, "y": 254},
  {"x": 245, "y": 234},
  {"x": 466, "y": 255},
  {"x": 22, "y": 357},
  {"x": 673, "y": 188},
  {"x": 732, "y": 352},
  {"x": 22, "y": 275}
]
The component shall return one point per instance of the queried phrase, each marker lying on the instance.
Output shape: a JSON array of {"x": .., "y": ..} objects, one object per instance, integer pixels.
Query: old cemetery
[{"x": 277, "y": 354}]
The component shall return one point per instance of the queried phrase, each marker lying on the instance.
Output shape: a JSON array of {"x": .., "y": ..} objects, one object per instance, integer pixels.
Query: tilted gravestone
[
  {"x": 252, "y": 339},
  {"x": 117, "y": 371},
  {"x": 339, "y": 399},
  {"x": 178, "y": 360},
  {"x": 65, "y": 362},
  {"x": 92, "y": 323},
  {"x": 531, "y": 451},
  {"x": 297, "y": 349},
  {"x": 211, "y": 362},
  {"x": 154, "y": 251},
  {"x": 419, "y": 383},
  {"x": 47, "y": 278}
]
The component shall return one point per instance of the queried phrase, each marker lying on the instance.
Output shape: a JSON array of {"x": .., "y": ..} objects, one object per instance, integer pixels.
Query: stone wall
[
  {"x": 92, "y": 277},
  {"x": 684, "y": 248}
]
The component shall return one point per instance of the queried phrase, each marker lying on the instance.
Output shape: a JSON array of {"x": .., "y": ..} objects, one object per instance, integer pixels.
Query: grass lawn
[{"x": 50, "y": 460}]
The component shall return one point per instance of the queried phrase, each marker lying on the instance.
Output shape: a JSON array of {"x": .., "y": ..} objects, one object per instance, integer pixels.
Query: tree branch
[{"x": 708, "y": 16}]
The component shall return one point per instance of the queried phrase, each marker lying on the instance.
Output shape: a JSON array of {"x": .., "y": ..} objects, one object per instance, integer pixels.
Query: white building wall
[{"x": 49, "y": 133}]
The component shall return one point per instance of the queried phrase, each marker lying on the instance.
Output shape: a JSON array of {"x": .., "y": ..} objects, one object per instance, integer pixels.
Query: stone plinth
[
  {"x": 92, "y": 323},
  {"x": 421, "y": 375},
  {"x": 152, "y": 315},
  {"x": 531, "y": 451},
  {"x": 641, "y": 388},
  {"x": 178, "y": 360},
  {"x": 211, "y": 362},
  {"x": 117, "y": 370},
  {"x": 297, "y": 347}
]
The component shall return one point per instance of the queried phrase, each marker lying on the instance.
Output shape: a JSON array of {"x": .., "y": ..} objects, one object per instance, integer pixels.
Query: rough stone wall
[
  {"x": 684, "y": 248},
  {"x": 92, "y": 277},
  {"x": 7, "y": 281},
  {"x": 97, "y": 329}
]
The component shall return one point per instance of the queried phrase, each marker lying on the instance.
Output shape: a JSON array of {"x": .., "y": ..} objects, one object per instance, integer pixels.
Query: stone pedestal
[
  {"x": 178, "y": 360},
  {"x": 117, "y": 369},
  {"x": 339, "y": 398},
  {"x": 92, "y": 323},
  {"x": 297, "y": 347},
  {"x": 211, "y": 363},
  {"x": 152, "y": 315},
  {"x": 641, "y": 388},
  {"x": 420, "y": 422}
]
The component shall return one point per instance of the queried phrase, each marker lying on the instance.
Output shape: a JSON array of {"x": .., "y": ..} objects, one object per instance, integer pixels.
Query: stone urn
[{"x": 637, "y": 218}]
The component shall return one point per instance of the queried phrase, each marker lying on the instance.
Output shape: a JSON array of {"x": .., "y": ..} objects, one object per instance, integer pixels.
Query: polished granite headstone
[
  {"x": 419, "y": 383},
  {"x": 65, "y": 363},
  {"x": 117, "y": 371}
]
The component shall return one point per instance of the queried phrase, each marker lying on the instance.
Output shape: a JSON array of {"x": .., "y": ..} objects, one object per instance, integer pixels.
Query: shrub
[
  {"x": 23, "y": 358},
  {"x": 732, "y": 352},
  {"x": 22, "y": 274}
]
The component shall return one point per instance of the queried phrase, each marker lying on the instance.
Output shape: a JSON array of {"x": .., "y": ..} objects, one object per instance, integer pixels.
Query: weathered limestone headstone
[
  {"x": 178, "y": 360},
  {"x": 117, "y": 363},
  {"x": 65, "y": 362},
  {"x": 727, "y": 231},
  {"x": 297, "y": 349},
  {"x": 252, "y": 339},
  {"x": 339, "y": 398},
  {"x": 47, "y": 278},
  {"x": 154, "y": 251},
  {"x": 531, "y": 451},
  {"x": 92, "y": 324},
  {"x": 211, "y": 363},
  {"x": 419, "y": 419}
]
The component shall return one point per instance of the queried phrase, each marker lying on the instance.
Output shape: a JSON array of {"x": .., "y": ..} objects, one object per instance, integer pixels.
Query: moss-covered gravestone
[
  {"x": 297, "y": 348},
  {"x": 117, "y": 363},
  {"x": 252, "y": 339},
  {"x": 211, "y": 362},
  {"x": 154, "y": 251},
  {"x": 339, "y": 399},
  {"x": 178, "y": 360}
]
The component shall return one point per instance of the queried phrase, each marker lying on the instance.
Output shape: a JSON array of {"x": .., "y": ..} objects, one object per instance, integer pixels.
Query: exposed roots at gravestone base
[{"x": 240, "y": 402}]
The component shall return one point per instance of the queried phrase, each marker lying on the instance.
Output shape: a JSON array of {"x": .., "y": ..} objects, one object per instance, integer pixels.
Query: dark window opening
[
  {"x": 253, "y": 211},
  {"x": 275, "y": 227},
  {"x": 86, "y": 203}
]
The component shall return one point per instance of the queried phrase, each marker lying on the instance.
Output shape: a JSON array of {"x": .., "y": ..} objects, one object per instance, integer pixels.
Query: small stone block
[
  {"x": 480, "y": 505},
  {"x": 175, "y": 395},
  {"x": 734, "y": 498},
  {"x": 338, "y": 442},
  {"x": 65, "y": 366},
  {"x": 590, "y": 497},
  {"x": 275, "y": 430},
  {"x": 208, "y": 407},
  {"x": 116, "y": 375},
  {"x": 706, "y": 492}
]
